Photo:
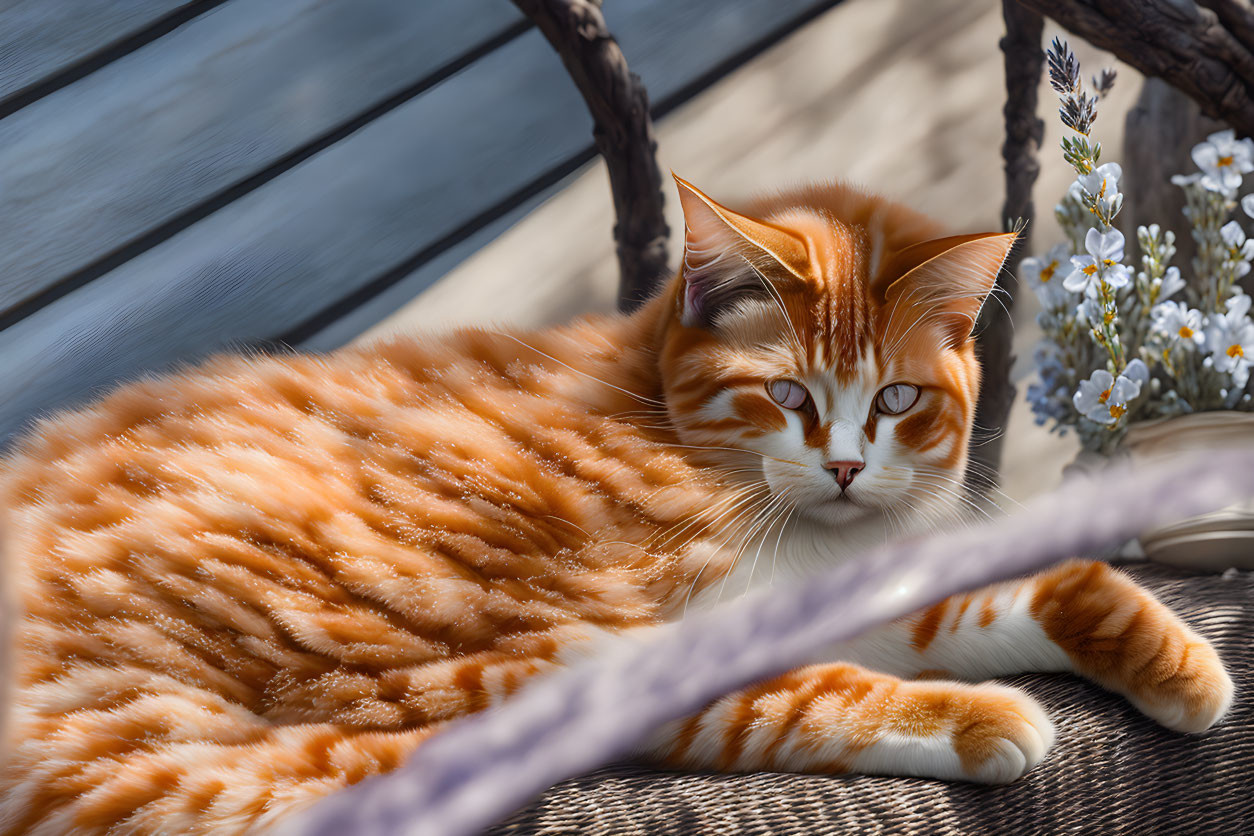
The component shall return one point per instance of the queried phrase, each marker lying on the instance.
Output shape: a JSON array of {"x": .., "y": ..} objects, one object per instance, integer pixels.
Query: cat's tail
[{"x": 215, "y": 770}]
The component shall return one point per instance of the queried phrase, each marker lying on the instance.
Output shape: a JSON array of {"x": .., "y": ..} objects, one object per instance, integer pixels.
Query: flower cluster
[{"x": 1124, "y": 344}]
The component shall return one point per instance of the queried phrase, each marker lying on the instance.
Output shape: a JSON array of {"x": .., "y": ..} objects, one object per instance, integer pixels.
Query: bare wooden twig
[
  {"x": 623, "y": 134},
  {"x": 1023, "y": 60},
  {"x": 1236, "y": 15},
  {"x": 1207, "y": 53}
]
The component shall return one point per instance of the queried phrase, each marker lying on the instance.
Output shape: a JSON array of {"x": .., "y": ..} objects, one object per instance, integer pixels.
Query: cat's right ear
[{"x": 729, "y": 256}]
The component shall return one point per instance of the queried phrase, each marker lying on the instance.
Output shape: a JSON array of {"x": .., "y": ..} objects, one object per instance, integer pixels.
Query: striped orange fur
[{"x": 249, "y": 584}]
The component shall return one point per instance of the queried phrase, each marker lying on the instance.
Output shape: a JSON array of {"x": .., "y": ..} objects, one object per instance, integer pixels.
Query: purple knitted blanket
[{"x": 485, "y": 766}]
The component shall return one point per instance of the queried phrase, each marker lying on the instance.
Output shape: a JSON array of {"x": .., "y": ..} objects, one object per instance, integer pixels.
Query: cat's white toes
[
  {"x": 1192, "y": 698},
  {"x": 1005, "y": 733},
  {"x": 990, "y": 734}
]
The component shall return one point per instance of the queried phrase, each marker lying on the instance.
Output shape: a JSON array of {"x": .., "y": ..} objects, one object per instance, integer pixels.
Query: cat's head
[{"x": 829, "y": 333}]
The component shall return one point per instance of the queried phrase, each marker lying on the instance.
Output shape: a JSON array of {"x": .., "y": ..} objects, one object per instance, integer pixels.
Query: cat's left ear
[{"x": 944, "y": 282}]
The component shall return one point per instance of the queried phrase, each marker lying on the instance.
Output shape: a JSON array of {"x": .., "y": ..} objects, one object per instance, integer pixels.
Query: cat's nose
[{"x": 843, "y": 472}]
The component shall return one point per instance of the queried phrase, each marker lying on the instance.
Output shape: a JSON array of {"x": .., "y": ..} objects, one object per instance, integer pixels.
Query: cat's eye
[
  {"x": 788, "y": 393},
  {"x": 896, "y": 399}
]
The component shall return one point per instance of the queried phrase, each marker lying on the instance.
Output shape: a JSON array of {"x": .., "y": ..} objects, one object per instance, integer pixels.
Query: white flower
[
  {"x": 1103, "y": 398},
  {"x": 1138, "y": 373},
  {"x": 1223, "y": 159},
  {"x": 1177, "y": 322},
  {"x": 1238, "y": 304},
  {"x": 1089, "y": 312},
  {"x": 1045, "y": 278},
  {"x": 1239, "y": 249},
  {"x": 1183, "y": 180},
  {"x": 1172, "y": 283},
  {"x": 1230, "y": 339},
  {"x": 1102, "y": 262},
  {"x": 1232, "y": 233},
  {"x": 1103, "y": 181},
  {"x": 1100, "y": 189},
  {"x": 1247, "y": 203}
]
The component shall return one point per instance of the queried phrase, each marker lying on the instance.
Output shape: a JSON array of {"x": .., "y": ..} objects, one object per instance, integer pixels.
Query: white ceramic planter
[{"x": 1213, "y": 542}]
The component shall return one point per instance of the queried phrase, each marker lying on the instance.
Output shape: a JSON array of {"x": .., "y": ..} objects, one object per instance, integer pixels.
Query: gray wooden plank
[
  {"x": 39, "y": 38},
  {"x": 353, "y": 323},
  {"x": 347, "y": 213},
  {"x": 274, "y": 257},
  {"x": 105, "y": 160},
  {"x": 668, "y": 45}
]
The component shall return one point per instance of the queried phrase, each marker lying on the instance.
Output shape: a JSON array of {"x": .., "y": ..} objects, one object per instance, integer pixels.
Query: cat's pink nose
[{"x": 844, "y": 472}]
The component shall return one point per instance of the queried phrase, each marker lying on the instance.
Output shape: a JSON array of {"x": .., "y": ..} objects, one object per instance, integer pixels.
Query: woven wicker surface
[{"x": 1110, "y": 772}]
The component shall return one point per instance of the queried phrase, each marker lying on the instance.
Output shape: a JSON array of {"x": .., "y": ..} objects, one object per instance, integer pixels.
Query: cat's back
[
  {"x": 386, "y": 506},
  {"x": 419, "y": 394}
]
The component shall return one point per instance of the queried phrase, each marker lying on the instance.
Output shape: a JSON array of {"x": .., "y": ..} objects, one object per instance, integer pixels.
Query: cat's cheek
[{"x": 803, "y": 485}]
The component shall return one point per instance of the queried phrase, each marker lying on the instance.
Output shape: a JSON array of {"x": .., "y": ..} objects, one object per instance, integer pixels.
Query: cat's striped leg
[
  {"x": 1083, "y": 617},
  {"x": 844, "y": 718}
]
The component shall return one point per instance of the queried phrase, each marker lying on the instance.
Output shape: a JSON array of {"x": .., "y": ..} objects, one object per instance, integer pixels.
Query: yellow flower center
[
  {"x": 1090, "y": 270},
  {"x": 1186, "y": 332},
  {"x": 1108, "y": 317},
  {"x": 1108, "y": 262},
  {"x": 1223, "y": 161},
  {"x": 1047, "y": 273},
  {"x": 1235, "y": 351},
  {"x": 1104, "y": 396},
  {"x": 1117, "y": 411}
]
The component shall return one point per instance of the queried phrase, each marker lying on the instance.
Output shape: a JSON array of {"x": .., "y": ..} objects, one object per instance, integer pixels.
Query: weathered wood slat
[
  {"x": 353, "y": 323},
  {"x": 40, "y": 38},
  {"x": 273, "y": 258},
  {"x": 709, "y": 36},
  {"x": 104, "y": 161}
]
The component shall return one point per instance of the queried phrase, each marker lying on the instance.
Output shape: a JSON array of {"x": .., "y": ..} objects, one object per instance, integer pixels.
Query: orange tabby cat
[{"x": 250, "y": 584}]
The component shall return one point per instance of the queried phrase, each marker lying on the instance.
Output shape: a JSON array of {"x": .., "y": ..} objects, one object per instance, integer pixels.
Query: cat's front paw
[
  {"x": 989, "y": 734},
  {"x": 1184, "y": 686},
  {"x": 1125, "y": 639},
  {"x": 1001, "y": 735}
]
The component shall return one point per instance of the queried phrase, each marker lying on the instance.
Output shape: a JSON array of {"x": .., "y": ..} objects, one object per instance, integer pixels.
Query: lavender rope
[{"x": 482, "y": 768}]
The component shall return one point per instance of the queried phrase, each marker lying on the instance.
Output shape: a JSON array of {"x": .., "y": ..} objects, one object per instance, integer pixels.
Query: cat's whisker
[
  {"x": 745, "y": 540},
  {"x": 779, "y": 302},
  {"x": 739, "y": 450},
  {"x": 775, "y": 555},
  {"x": 668, "y": 536},
  {"x": 745, "y": 504},
  {"x": 675, "y": 538},
  {"x": 753, "y": 567},
  {"x": 899, "y": 522},
  {"x": 733, "y": 529},
  {"x": 946, "y": 491},
  {"x": 638, "y": 414},
  {"x": 958, "y": 483},
  {"x": 744, "y": 517},
  {"x": 636, "y": 396},
  {"x": 762, "y": 519},
  {"x": 901, "y": 332}
]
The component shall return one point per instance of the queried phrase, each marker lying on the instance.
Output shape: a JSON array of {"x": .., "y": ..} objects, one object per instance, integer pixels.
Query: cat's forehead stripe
[{"x": 839, "y": 326}]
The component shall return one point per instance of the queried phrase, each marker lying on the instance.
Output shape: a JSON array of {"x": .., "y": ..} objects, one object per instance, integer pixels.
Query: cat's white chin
[{"x": 840, "y": 511}]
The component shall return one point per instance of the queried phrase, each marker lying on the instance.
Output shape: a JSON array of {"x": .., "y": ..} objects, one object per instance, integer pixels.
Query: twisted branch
[
  {"x": 623, "y": 134},
  {"x": 1023, "y": 58},
  {"x": 1205, "y": 51}
]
